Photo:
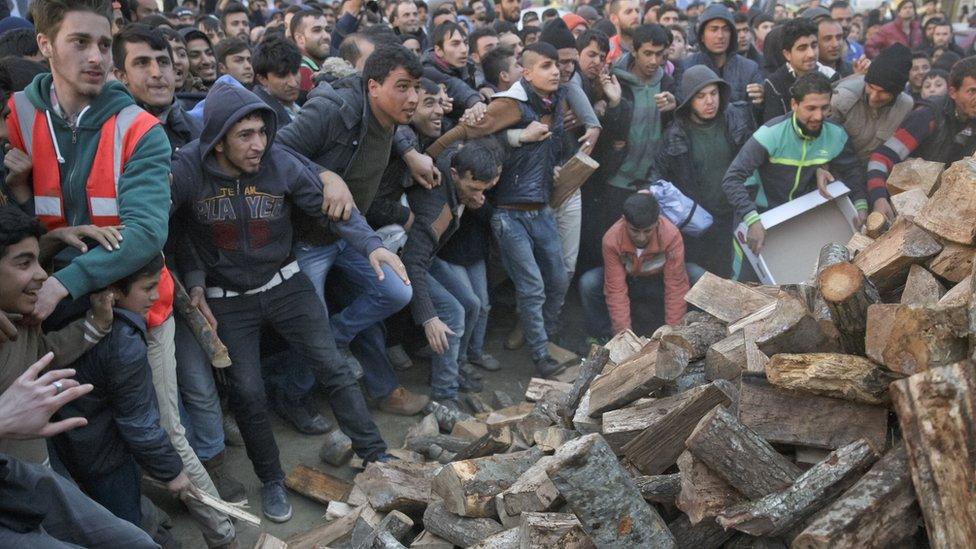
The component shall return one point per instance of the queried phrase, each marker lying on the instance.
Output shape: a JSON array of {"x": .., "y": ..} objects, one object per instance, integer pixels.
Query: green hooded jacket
[{"x": 142, "y": 193}]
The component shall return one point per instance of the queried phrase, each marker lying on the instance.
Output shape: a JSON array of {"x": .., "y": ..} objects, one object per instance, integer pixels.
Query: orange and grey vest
[{"x": 31, "y": 132}]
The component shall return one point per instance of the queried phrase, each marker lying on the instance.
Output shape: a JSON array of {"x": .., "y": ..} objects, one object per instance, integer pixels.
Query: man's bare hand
[
  {"x": 198, "y": 299},
  {"x": 48, "y": 297},
  {"x": 18, "y": 166},
  {"x": 756, "y": 93},
  {"x": 611, "y": 88},
  {"x": 179, "y": 484},
  {"x": 106, "y": 237},
  {"x": 535, "y": 131},
  {"x": 588, "y": 140},
  {"x": 337, "y": 201},
  {"x": 570, "y": 120},
  {"x": 422, "y": 169},
  {"x": 475, "y": 114},
  {"x": 381, "y": 256},
  {"x": 823, "y": 178},
  {"x": 437, "y": 333},
  {"x": 27, "y": 405},
  {"x": 755, "y": 237},
  {"x": 861, "y": 65},
  {"x": 883, "y": 206}
]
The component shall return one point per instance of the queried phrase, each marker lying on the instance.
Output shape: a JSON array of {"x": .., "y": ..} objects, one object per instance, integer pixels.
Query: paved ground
[{"x": 300, "y": 449}]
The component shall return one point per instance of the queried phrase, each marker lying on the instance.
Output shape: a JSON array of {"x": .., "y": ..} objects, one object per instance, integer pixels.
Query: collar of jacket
[
  {"x": 799, "y": 131},
  {"x": 135, "y": 320}
]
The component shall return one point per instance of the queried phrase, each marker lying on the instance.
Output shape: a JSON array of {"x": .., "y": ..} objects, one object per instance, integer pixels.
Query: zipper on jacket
[{"x": 799, "y": 169}]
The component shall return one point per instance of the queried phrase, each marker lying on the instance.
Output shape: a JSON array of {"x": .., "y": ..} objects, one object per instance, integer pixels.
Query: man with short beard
[
  {"x": 406, "y": 21},
  {"x": 199, "y": 50},
  {"x": 625, "y": 16},
  {"x": 788, "y": 157},
  {"x": 508, "y": 10},
  {"x": 308, "y": 31}
]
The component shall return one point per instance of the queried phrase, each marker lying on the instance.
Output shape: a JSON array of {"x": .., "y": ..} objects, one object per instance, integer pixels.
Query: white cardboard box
[{"x": 797, "y": 230}]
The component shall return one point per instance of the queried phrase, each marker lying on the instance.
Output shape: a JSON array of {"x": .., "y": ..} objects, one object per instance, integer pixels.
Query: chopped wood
[
  {"x": 531, "y": 492},
  {"x": 726, "y": 358},
  {"x": 496, "y": 439},
  {"x": 875, "y": 225},
  {"x": 857, "y": 243},
  {"x": 750, "y": 320},
  {"x": 695, "y": 338},
  {"x": 389, "y": 533},
  {"x": 914, "y": 173},
  {"x": 881, "y": 316},
  {"x": 267, "y": 541},
  {"x": 427, "y": 540},
  {"x": 509, "y": 415},
  {"x": 594, "y": 363},
  {"x": 469, "y": 429},
  {"x": 507, "y": 539},
  {"x": 478, "y": 404},
  {"x": 202, "y": 331},
  {"x": 703, "y": 493},
  {"x": 318, "y": 485},
  {"x": 726, "y": 300},
  {"x": 778, "y": 512},
  {"x": 538, "y": 388},
  {"x": 921, "y": 338},
  {"x": 878, "y": 511},
  {"x": 335, "y": 510},
  {"x": 848, "y": 294},
  {"x": 336, "y": 449},
  {"x": 582, "y": 421},
  {"x": 233, "y": 510},
  {"x": 463, "y": 531},
  {"x": 571, "y": 177},
  {"x": 950, "y": 209},
  {"x": 739, "y": 456},
  {"x": 957, "y": 295},
  {"x": 544, "y": 530},
  {"x": 397, "y": 485},
  {"x": 782, "y": 416},
  {"x": 921, "y": 288},
  {"x": 756, "y": 360},
  {"x": 544, "y": 414},
  {"x": 658, "y": 363},
  {"x": 658, "y": 445},
  {"x": 500, "y": 399},
  {"x": 659, "y": 488},
  {"x": 604, "y": 498},
  {"x": 954, "y": 262},
  {"x": 831, "y": 253},
  {"x": 909, "y": 203},
  {"x": 469, "y": 487},
  {"x": 847, "y": 377},
  {"x": 936, "y": 410},
  {"x": 887, "y": 260},
  {"x": 550, "y": 439},
  {"x": 327, "y": 534},
  {"x": 707, "y": 534},
  {"x": 624, "y": 345}
]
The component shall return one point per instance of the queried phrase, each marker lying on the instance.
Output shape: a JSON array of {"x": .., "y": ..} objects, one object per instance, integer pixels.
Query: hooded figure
[{"x": 737, "y": 71}]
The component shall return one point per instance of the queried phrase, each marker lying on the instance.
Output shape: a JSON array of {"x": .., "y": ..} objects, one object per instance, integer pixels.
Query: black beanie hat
[
  {"x": 890, "y": 69},
  {"x": 557, "y": 34}
]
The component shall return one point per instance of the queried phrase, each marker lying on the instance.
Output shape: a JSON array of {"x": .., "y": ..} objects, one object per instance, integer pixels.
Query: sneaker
[
  {"x": 516, "y": 338},
  {"x": 274, "y": 501},
  {"x": 402, "y": 402},
  {"x": 229, "y": 489},
  {"x": 399, "y": 358},
  {"x": 467, "y": 369},
  {"x": 485, "y": 362},
  {"x": 546, "y": 366},
  {"x": 232, "y": 433},
  {"x": 301, "y": 416},
  {"x": 469, "y": 384},
  {"x": 354, "y": 366}
]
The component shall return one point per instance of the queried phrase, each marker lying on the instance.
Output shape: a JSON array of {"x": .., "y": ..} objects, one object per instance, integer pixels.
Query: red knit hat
[{"x": 572, "y": 21}]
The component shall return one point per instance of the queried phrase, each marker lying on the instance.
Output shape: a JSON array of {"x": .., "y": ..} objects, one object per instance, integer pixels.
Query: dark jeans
[
  {"x": 118, "y": 491},
  {"x": 41, "y": 509},
  {"x": 292, "y": 309}
]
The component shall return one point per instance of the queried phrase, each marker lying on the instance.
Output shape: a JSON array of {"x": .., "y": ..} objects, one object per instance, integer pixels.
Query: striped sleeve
[{"x": 913, "y": 130}]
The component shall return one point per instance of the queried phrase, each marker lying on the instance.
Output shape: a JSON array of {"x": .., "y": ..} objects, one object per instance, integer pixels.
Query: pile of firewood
[{"x": 835, "y": 413}]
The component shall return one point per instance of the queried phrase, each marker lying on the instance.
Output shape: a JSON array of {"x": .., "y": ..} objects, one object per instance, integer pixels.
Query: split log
[
  {"x": 592, "y": 365},
  {"x": 921, "y": 288},
  {"x": 840, "y": 376},
  {"x": 337, "y": 509},
  {"x": 538, "y": 388},
  {"x": 202, "y": 331},
  {"x": 726, "y": 358},
  {"x": 848, "y": 294},
  {"x": 914, "y": 173},
  {"x": 544, "y": 414},
  {"x": 693, "y": 376},
  {"x": 550, "y": 439},
  {"x": 500, "y": 399},
  {"x": 707, "y": 534},
  {"x": 909, "y": 203},
  {"x": 582, "y": 421},
  {"x": 857, "y": 243},
  {"x": 658, "y": 445},
  {"x": 531, "y": 492},
  {"x": 740, "y": 456},
  {"x": 507, "y": 539},
  {"x": 511, "y": 415},
  {"x": 659, "y": 488},
  {"x": 267, "y": 541},
  {"x": 495, "y": 440},
  {"x": 478, "y": 404},
  {"x": 327, "y": 534},
  {"x": 391, "y": 531},
  {"x": 469, "y": 429},
  {"x": 950, "y": 209},
  {"x": 695, "y": 338},
  {"x": 571, "y": 177},
  {"x": 756, "y": 360},
  {"x": 469, "y": 487},
  {"x": 455, "y": 529},
  {"x": 936, "y": 410},
  {"x": 658, "y": 363},
  {"x": 782, "y": 416},
  {"x": 336, "y": 449},
  {"x": 726, "y": 300},
  {"x": 604, "y": 498},
  {"x": 958, "y": 295},
  {"x": 878, "y": 511},
  {"x": 881, "y": 317},
  {"x": 397, "y": 485},
  {"x": 875, "y": 225},
  {"x": 427, "y": 540},
  {"x": 624, "y": 345},
  {"x": 887, "y": 260},
  {"x": 318, "y": 485},
  {"x": 703, "y": 493},
  {"x": 921, "y": 338},
  {"x": 751, "y": 320},
  {"x": 543, "y": 530},
  {"x": 778, "y": 512},
  {"x": 954, "y": 262}
]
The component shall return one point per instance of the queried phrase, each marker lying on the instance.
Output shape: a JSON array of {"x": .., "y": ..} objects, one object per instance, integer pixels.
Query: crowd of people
[{"x": 329, "y": 184}]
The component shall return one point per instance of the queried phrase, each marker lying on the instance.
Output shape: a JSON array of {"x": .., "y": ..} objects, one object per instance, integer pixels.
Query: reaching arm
[
  {"x": 919, "y": 124},
  {"x": 501, "y": 114},
  {"x": 750, "y": 158}
]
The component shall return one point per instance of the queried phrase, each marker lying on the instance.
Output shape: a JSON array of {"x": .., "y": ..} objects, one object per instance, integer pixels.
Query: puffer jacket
[{"x": 867, "y": 127}]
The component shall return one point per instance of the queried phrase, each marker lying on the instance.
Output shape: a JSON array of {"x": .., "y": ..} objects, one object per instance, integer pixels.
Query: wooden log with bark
[
  {"x": 532, "y": 491},
  {"x": 506, "y": 539},
  {"x": 950, "y": 209},
  {"x": 879, "y": 511},
  {"x": 594, "y": 363},
  {"x": 936, "y": 410},
  {"x": 887, "y": 260},
  {"x": 726, "y": 358},
  {"x": 848, "y": 293},
  {"x": 778, "y": 512},
  {"x": 658, "y": 363},
  {"x": 726, "y": 300},
  {"x": 427, "y": 540},
  {"x": 834, "y": 375},
  {"x": 707, "y": 534},
  {"x": 881, "y": 316},
  {"x": 954, "y": 262},
  {"x": 703, "y": 493},
  {"x": 496, "y": 439},
  {"x": 545, "y": 530},
  {"x": 740, "y": 456},
  {"x": 920, "y": 338},
  {"x": 659, "y": 488},
  {"x": 389, "y": 533},
  {"x": 875, "y": 225},
  {"x": 695, "y": 338},
  {"x": 397, "y": 485},
  {"x": 463, "y": 531},
  {"x": 469, "y": 487},
  {"x": 783, "y": 416},
  {"x": 202, "y": 331},
  {"x": 318, "y": 485},
  {"x": 538, "y": 387},
  {"x": 604, "y": 498}
]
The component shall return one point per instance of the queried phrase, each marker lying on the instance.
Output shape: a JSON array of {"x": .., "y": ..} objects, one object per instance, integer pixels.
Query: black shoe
[
  {"x": 468, "y": 370},
  {"x": 229, "y": 489},
  {"x": 301, "y": 416},
  {"x": 274, "y": 502},
  {"x": 546, "y": 366},
  {"x": 468, "y": 384}
]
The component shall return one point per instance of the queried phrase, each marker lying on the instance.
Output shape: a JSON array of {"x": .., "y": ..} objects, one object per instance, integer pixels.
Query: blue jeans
[
  {"x": 648, "y": 290},
  {"x": 300, "y": 319},
  {"x": 199, "y": 403},
  {"x": 473, "y": 280},
  {"x": 458, "y": 309},
  {"x": 118, "y": 491},
  {"x": 533, "y": 258},
  {"x": 373, "y": 300}
]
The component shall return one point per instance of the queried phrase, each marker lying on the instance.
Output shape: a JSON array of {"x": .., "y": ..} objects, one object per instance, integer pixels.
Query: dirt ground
[{"x": 301, "y": 449}]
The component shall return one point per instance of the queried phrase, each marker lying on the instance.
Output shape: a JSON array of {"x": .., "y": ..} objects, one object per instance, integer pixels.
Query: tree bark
[
  {"x": 846, "y": 377},
  {"x": 848, "y": 294}
]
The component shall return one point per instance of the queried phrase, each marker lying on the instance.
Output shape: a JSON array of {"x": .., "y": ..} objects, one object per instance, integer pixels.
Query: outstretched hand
[{"x": 27, "y": 405}]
